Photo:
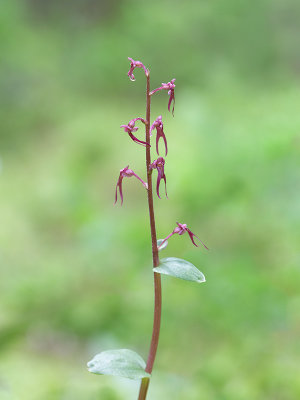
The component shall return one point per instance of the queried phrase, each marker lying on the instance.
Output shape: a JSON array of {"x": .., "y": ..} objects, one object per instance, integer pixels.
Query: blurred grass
[{"x": 75, "y": 271}]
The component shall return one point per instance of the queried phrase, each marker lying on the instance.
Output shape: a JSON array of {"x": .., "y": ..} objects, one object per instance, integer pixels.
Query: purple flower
[
  {"x": 170, "y": 86},
  {"x": 130, "y": 127},
  {"x": 159, "y": 133},
  {"x": 181, "y": 229},
  {"x": 126, "y": 172},
  {"x": 133, "y": 65},
  {"x": 159, "y": 164}
]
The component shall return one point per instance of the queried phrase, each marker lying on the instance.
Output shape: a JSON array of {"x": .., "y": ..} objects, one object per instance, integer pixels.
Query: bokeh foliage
[{"x": 75, "y": 271}]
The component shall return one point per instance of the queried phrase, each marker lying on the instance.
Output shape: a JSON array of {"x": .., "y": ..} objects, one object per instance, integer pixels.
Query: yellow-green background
[{"x": 75, "y": 272}]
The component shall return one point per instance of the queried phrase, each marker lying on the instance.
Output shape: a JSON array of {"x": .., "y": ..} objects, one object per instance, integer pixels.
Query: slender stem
[
  {"x": 157, "y": 279},
  {"x": 144, "y": 388}
]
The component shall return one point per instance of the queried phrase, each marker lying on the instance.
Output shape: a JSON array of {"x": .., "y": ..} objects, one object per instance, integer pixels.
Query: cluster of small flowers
[{"x": 158, "y": 164}]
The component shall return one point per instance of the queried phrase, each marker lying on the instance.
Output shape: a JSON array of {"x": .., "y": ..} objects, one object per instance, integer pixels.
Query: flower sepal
[
  {"x": 159, "y": 165},
  {"x": 170, "y": 87},
  {"x": 130, "y": 128},
  {"x": 136, "y": 64},
  {"x": 126, "y": 172},
  {"x": 180, "y": 230},
  {"x": 159, "y": 126}
]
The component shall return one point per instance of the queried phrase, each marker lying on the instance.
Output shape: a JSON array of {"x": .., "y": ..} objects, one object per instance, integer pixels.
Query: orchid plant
[{"x": 124, "y": 362}]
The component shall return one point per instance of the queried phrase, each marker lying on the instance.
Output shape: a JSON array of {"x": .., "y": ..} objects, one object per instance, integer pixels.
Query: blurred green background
[{"x": 76, "y": 273}]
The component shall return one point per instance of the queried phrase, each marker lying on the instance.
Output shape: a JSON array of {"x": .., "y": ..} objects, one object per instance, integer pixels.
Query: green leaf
[
  {"x": 123, "y": 362},
  {"x": 180, "y": 269},
  {"x": 163, "y": 246}
]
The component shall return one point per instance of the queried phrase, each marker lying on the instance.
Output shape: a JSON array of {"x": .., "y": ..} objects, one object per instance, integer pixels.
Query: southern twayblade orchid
[
  {"x": 170, "y": 86},
  {"x": 159, "y": 164},
  {"x": 159, "y": 133},
  {"x": 181, "y": 229},
  {"x": 125, "y": 362},
  {"x": 126, "y": 172},
  {"x": 133, "y": 65},
  {"x": 130, "y": 127}
]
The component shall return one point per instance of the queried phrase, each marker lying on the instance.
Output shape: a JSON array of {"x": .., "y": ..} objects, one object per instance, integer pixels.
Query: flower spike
[
  {"x": 170, "y": 86},
  {"x": 181, "y": 229},
  {"x": 159, "y": 133},
  {"x": 133, "y": 65},
  {"x": 130, "y": 127},
  {"x": 126, "y": 172},
  {"x": 159, "y": 164}
]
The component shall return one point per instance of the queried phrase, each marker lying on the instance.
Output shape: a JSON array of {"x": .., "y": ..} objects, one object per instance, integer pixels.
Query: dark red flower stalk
[
  {"x": 181, "y": 229},
  {"x": 130, "y": 127},
  {"x": 159, "y": 164},
  {"x": 170, "y": 86},
  {"x": 126, "y": 172},
  {"x": 106, "y": 362},
  {"x": 159, "y": 133},
  {"x": 133, "y": 65}
]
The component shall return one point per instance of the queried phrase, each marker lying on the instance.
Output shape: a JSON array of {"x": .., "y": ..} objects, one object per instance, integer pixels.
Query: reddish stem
[{"x": 157, "y": 278}]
